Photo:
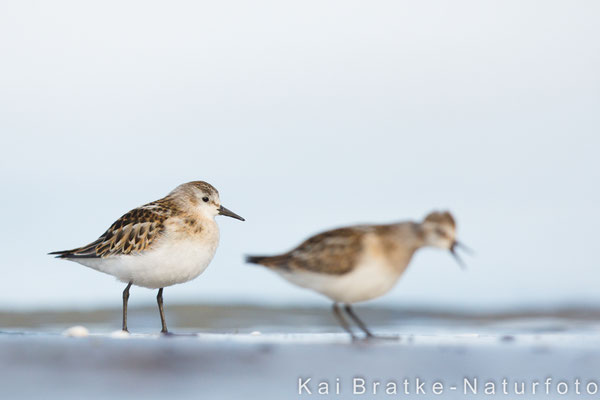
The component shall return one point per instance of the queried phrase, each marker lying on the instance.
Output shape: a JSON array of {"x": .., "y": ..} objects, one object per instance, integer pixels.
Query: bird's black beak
[
  {"x": 459, "y": 260},
  {"x": 229, "y": 213}
]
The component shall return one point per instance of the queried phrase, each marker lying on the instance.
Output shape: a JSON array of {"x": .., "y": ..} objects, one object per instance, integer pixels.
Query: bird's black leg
[
  {"x": 358, "y": 322},
  {"x": 159, "y": 299},
  {"x": 340, "y": 317},
  {"x": 125, "y": 299}
]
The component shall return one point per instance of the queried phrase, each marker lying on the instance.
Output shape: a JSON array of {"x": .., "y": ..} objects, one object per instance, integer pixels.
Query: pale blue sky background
[{"x": 305, "y": 115}]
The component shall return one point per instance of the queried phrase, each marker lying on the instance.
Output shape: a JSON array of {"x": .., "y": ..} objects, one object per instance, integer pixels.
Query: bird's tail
[
  {"x": 88, "y": 251},
  {"x": 61, "y": 253},
  {"x": 267, "y": 261}
]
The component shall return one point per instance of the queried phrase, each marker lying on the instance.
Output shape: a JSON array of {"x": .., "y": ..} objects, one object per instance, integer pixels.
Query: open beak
[
  {"x": 459, "y": 260},
  {"x": 229, "y": 213}
]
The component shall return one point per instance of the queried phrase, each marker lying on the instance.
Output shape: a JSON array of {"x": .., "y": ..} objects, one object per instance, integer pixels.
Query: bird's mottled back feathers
[
  {"x": 134, "y": 232},
  {"x": 333, "y": 252}
]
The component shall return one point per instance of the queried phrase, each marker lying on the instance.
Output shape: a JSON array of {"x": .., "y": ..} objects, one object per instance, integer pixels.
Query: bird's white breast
[
  {"x": 366, "y": 281},
  {"x": 174, "y": 259}
]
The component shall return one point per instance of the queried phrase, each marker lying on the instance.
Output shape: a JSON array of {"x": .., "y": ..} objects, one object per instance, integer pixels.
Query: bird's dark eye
[{"x": 205, "y": 199}]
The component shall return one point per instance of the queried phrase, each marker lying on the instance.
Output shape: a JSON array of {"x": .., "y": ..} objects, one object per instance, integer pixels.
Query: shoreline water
[
  {"x": 265, "y": 352},
  {"x": 233, "y": 352},
  {"x": 270, "y": 366},
  {"x": 228, "y": 317}
]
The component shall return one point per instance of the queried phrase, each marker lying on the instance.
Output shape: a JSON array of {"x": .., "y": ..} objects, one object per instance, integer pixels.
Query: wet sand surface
[{"x": 223, "y": 352}]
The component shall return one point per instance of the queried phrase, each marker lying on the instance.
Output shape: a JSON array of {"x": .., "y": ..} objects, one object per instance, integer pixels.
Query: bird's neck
[
  {"x": 400, "y": 241},
  {"x": 409, "y": 235}
]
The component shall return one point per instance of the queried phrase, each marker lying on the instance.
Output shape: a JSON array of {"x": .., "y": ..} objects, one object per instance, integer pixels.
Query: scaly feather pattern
[
  {"x": 333, "y": 252},
  {"x": 134, "y": 232}
]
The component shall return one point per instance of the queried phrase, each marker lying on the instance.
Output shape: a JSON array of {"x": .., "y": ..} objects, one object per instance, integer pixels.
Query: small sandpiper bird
[
  {"x": 359, "y": 263},
  {"x": 168, "y": 241}
]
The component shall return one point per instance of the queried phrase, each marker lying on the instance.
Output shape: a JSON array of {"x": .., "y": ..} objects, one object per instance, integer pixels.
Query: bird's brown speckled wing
[
  {"x": 333, "y": 252},
  {"x": 133, "y": 233}
]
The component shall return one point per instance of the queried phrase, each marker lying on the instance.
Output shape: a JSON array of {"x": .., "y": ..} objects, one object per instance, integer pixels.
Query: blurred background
[{"x": 306, "y": 116}]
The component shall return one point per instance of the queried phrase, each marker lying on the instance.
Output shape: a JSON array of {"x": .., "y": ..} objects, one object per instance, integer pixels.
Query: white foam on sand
[{"x": 77, "y": 331}]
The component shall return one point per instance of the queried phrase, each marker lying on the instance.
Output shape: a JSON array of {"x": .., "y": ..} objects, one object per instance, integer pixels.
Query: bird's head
[
  {"x": 204, "y": 198},
  {"x": 439, "y": 230}
]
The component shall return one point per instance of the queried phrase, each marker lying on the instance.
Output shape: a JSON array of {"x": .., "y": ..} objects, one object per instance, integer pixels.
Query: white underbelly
[
  {"x": 367, "y": 281},
  {"x": 166, "y": 265}
]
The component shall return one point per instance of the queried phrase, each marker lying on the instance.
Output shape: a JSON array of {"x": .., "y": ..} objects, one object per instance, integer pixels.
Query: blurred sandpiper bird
[
  {"x": 168, "y": 241},
  {"x": 359, "y": 263}
]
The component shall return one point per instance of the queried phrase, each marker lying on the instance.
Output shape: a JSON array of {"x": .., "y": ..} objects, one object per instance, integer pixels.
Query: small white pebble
[
  {"x": 119, "y": 334},
  {"x": 76, "y": 331},
  {"x": 255, "y": 333}
]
